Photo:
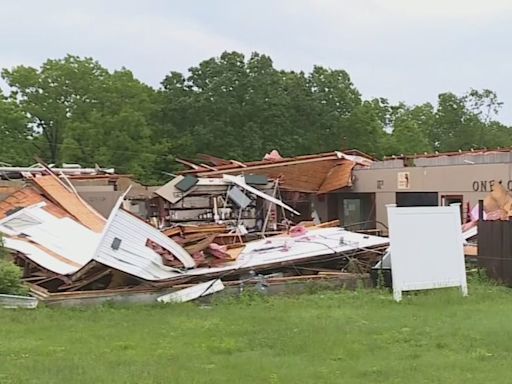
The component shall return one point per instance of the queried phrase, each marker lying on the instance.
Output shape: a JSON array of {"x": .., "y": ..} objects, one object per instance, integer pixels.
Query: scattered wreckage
[
  {"x": 230, "y": 229},
  {"x": 70, "y": 253}
]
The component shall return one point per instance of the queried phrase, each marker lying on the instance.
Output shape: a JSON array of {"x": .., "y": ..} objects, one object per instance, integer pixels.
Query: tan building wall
[{"x": 472, "y": 181}]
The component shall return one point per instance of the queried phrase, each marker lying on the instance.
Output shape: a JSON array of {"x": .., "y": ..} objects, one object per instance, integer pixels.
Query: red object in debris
[
  {"x": 168, "y": 258},
  {"x": 273, "y": 156},
  {"x": 469, "y": 225},
  {"x": 219, "y": 251},
  {"x": 199, "y": 258},
  {"x": 298, "y": 230}
]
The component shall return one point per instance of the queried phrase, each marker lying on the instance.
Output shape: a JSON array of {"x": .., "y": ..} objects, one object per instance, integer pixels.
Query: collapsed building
[
  {"x": 360, "y": 187},
  {"x": 98, "y": 234},
  {"x": 68, "y": 250},
  {"x": 302, "y": 182}
]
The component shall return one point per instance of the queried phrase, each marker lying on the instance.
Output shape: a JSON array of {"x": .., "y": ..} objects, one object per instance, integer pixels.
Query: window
[
  {"x": 21, "y": 222},
  {"x": 454, "y": 199}
]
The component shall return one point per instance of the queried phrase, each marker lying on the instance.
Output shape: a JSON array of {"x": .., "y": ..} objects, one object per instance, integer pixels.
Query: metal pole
[{"x": 267, "y": 216}]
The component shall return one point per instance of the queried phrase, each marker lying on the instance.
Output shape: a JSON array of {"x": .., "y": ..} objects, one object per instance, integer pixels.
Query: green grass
[{"x": 342, "y": 337}]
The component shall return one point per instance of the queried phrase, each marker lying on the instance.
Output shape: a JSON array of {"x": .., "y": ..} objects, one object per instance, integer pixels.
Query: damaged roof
[
  {"x": 319, "y": 173},
  {"x": 123, "y": 246},
  {"x": 26, "y": 197},
  {"x": 64, "y": 246},
  {"x": 56, "y": 243},
  {"x": 56, "y": 191}
]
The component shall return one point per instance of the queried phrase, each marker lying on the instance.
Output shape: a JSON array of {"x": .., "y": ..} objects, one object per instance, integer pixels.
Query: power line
[{"x": 95, "y": 148}]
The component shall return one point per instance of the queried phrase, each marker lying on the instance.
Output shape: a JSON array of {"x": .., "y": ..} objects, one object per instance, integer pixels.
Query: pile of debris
[{"x": 69, "y": 252}]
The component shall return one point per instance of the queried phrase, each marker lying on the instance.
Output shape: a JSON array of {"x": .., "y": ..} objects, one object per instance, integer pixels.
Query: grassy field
[{"x": 343, "y": 337}]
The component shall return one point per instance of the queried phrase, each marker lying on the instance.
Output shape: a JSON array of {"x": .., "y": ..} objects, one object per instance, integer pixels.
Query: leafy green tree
[
  {"x": 61, "y": 90},
  {"x": 484, "y": 106},
  {"x": 466, "y": 122},
  {"x": 241, "y": 108},
  {"x": 335, "y": 99},
  {"x": 15, "y": 135},
  {"x": 82, "y": 113},
  {"x": 411, "y": 129},
  {"x": 365, "y": 130},
  {"x": 75, "y": 110}
]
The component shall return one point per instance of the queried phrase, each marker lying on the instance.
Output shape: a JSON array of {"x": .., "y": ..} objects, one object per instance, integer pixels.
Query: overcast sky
[{"x": 404, "y": 50}]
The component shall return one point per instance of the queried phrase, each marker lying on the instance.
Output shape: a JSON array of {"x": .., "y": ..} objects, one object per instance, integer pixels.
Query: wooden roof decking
[
  {"x": 57, "y": 192},
  {"x": 320, "y": 173}
]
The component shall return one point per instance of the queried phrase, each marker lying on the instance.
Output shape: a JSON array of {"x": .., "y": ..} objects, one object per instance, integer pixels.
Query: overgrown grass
[{"x": 343, "y": 337}]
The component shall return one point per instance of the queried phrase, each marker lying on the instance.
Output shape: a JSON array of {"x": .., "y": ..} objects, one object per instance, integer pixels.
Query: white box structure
[{"x": 426, "y": 247}]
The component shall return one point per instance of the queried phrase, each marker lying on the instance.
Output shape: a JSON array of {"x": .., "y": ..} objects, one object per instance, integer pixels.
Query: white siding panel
[
  {"x": 314, "y": 243},
  {"x": 62, "y": 236},
  {"x": 40, "y": 257},
  {"x": 133, "y": 256}
]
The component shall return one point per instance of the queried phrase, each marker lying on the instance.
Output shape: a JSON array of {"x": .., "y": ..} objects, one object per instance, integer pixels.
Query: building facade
[{"x": 442, "y": 179}]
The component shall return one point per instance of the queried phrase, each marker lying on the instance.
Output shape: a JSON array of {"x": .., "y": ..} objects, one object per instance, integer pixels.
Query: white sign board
[
  {"x": 403, "y": 180},
  {"x": 426, "y": 247}
]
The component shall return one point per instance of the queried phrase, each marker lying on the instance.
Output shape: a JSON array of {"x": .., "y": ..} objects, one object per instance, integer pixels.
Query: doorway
[
  {"x": 356, "y": 211},
  {"x": 447, "y": 200}
]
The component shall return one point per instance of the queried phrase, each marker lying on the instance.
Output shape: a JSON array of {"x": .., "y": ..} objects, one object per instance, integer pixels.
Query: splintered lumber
[
  {"x": 187, "y": 230},
  {"x": 192, "y": 238},
  {"x": 170, "y": 232},
  {"x": 471, "y": 250},
  {"x": 327, "y": 224},
  {"x": 201, "y": 245},
  {"x": 235, "y": 252},
  {"x": 82, "y": 283}
]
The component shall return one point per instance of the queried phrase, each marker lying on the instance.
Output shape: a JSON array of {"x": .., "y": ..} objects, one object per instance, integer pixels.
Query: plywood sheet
[
  {"x": 57, "y": 192},
  {"x": 340, "y": 176}
]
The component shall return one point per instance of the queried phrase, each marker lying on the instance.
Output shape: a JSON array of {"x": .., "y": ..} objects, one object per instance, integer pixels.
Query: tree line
[{"x": 74, "y": 110}]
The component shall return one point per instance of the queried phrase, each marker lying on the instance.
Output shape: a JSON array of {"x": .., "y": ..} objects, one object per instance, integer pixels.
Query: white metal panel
[
  {"x": 426, "y": 248},
  {"x": 15, "y": 301},
  {"x": 66, "y": 238},
  {"x": 40, "y": 257},
  {"x": 317, "y": 242},
  {"x": 169, "y": 191},
  {"x": 241, "y": 183},
  {"x": 133, "y": 256},
  {"x": 192, "y": 293},
  {"x": 63, "y": 236},
  {"x": 468, "y": 234}
]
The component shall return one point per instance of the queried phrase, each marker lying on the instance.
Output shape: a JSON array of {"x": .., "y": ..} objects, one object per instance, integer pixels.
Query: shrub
[
  {"x": 10, "y": 275},
  {"x": 3, "y": 251}
]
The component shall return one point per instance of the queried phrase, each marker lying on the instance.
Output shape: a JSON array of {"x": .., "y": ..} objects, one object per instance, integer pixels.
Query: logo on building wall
[
  {"x": 488, "y": 185},
  {"x": 404, "y": 180}
]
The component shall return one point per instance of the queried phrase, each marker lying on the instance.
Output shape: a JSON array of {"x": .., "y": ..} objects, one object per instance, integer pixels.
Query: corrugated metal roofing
[{"x": 251, "y": 165}]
